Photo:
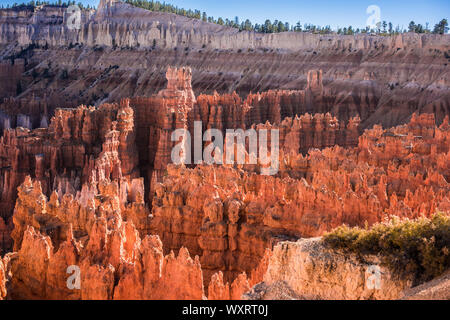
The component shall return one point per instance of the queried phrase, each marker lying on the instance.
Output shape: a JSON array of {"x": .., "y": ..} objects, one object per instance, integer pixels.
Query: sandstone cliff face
[
  {"x": 139, "y": 27},
  {"x": 102, "y": 196},
  {"x": 5, "y": 239},
  {"x": 63, "y": 156},
  {"x": 121, "y": 51},
  {"x": 177, "y": 107},
  {"x": 128, "y": 73},
  {"x": 112, "y": 260},
  {"x": 228, "y": 216},
  {"x": 437, "y": 289},
  {"x": 10, "y": 75},
  {"x": 310, "y": 271},
  {"x": 2, "y": 280}
]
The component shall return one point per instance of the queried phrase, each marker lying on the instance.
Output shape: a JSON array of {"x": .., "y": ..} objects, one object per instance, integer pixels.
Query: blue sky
[{"x": 319, "y": 12}]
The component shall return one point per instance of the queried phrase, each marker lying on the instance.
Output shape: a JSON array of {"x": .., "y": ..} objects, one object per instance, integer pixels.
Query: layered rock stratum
[
  {"x": 91, "y": 190},
  {"x": 307, "y": 270},
  {"x": 121, "y": 51},
  {"x": 213, "y": 227}
]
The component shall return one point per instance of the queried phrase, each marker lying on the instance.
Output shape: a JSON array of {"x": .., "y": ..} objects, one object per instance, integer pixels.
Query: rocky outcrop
[
  {"x": 228, "y": 216},
  {"x": 319, "y": 131},
  {"x": 176, "y": 107},
  {"x": 95, "y": 191},
  {"x": 111, "y": 260},
  {"x": 120, "y": 51},
  {"x": 437, "y": 289},
  {"x": 156, "y": 118},
  {"x": 2, "y": 280},
  {"x": 169, "y": 31},
  {"x": 308, "y": 270},
  {"x": 63, "y": 155},
  {"x": 5, "y": 239},
  {"x": 10, "y": 75},
  {"x": 107, "y": 249}
]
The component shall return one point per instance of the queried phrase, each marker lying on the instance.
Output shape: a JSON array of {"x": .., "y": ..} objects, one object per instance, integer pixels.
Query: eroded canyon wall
[
  {"x": 308, "y": 270},
  {"x": 112, "y": 260},
  {"x": 138, "y": 28},
  {"x": 176, "y": 107},
  {"x": 228, "y": 216},
  {"x": 10, "y": 75},
  {"x": 131, "y": 139},
  {"x": 66, "y": 150},
  {"x": 98, "y": 192},
  {"x": 121, "y": 51},
  {"x": 239, "y": 214}
]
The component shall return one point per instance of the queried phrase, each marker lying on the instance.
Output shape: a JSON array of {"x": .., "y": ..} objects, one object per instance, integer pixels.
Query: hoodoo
[{"x": 135, "y": 153}]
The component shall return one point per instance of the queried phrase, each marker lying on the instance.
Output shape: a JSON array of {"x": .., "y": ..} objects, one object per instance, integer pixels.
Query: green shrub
[{"x": 419, "y": 247}]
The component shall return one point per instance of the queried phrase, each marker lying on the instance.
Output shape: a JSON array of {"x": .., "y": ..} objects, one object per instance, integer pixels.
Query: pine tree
[
  {"x": 268, "y": 26},
  {"x": 281, "y": 27},
  {"x": 248, "y": 25},
  {"x": 287, "y": 27},
  {"x": 441, "y": 27},
  {"x": 419, "y": 28},
  {"x": 236, "y": 21}
]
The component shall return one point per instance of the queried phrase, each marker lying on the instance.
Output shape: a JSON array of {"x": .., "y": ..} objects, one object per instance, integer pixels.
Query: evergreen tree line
[
  {"x": 384, "y": 28},
  {"x": 38, "y": 3}
]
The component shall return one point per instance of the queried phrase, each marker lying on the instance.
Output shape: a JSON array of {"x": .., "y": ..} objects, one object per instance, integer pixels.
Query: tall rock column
[{"x": 178, "y": 101}]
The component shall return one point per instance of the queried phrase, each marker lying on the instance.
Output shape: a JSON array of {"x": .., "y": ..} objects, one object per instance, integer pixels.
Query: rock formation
[
  {"x": 121, "y": 51},
  {"x": 5, "y": 238},
  {"x": 437, "y": 289},
  {"x": 2, "y": 280},
  {"x": 177, "y": 107},
  {"x": 10, "y": 76},
  {"x": 171, "y": 31},
  {"x": 229, "y": 216},
  {"x": 63, "y": 156},
  {"x": 113, "y": 261},
  {"x": 309, "y": 271},
  {"x": 92, "y": 208},
  {"x": 95, "y": 192},
  {"x": 101, "y": 182}
]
